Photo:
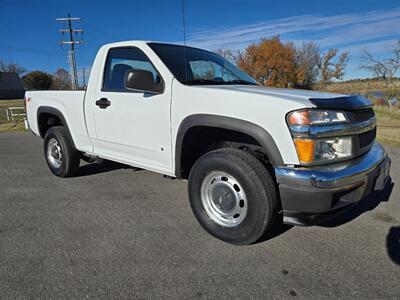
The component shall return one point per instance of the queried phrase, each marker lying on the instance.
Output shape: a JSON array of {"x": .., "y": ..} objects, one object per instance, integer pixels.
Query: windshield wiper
[{"x": 240, "y": 81}]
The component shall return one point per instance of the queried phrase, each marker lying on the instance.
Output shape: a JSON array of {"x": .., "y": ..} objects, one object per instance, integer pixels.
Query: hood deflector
[{"x": 342, "y": 103}]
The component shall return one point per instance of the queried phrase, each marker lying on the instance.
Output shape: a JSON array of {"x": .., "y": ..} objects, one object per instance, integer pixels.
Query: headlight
[
  {"x": 313, "y": 149},
  {"x": 323, "y": 150},
  {"x": 316, "y": 117}
]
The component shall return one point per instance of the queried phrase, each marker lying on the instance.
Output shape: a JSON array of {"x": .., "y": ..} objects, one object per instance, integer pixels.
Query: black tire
[
  {"x": 258, "y": 185},
  {"x": 70, "y": 156}
]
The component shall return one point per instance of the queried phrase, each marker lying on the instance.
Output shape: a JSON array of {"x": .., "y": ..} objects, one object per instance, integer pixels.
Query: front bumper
[{"x": 309, "y": 194}]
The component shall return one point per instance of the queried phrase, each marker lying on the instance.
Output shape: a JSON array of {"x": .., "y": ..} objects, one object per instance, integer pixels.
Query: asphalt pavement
[{"x": 119, "y": 232}]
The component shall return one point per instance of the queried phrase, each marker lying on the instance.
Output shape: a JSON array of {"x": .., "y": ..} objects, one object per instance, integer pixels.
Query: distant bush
[{"x": 37, "y": 80}]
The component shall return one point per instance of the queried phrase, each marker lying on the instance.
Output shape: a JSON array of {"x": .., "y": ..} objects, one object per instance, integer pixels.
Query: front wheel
[
  {"x": 233, "y": 196},
  {"x": 61, "y": 156}
]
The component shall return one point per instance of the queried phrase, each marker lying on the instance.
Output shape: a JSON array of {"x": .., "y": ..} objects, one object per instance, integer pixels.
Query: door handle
[{"x": 103, "y": 103}]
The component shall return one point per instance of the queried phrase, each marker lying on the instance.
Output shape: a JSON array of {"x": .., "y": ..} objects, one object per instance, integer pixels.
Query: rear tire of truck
[
  {"x": 233, "y": 196},
  {"x": 60, "y": 153}
]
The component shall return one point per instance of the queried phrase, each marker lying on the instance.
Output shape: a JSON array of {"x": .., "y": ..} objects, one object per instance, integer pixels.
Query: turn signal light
[{"x": 305, "y": 150}]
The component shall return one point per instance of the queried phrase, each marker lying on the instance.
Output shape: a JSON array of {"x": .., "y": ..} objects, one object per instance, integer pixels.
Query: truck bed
[{"x": 69, "y": 103}]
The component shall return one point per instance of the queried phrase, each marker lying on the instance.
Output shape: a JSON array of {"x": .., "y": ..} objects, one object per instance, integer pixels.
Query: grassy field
[
  {"x": 11, "y": 103},
  {"x": 12, "y": 127},
  {"x": 356, "y": 87},
  {"x": 5, "y": 125},
  {"x": 388, "y": 125}
]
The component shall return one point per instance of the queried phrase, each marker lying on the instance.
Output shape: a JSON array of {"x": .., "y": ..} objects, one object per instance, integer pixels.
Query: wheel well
[
  {"x": 46, "y": 121},
  {"x": 201, "y": 139}
]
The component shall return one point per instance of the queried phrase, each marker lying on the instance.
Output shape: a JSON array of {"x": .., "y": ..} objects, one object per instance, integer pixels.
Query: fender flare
[
  {"x": 52, "y": 111},
  {"x": 207, "y": 120}
]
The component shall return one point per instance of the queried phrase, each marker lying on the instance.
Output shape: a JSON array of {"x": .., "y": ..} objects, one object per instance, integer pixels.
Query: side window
[{"x": 119, "y": 61}]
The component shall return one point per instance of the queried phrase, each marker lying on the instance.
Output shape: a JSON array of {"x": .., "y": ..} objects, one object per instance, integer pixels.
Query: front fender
[{"x": 257, "y": 132}]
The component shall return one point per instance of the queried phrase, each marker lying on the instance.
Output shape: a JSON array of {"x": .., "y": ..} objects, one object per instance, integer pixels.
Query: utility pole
[
  {"x": 83, "y": 78},
  {"x": 72, "y": 42}
]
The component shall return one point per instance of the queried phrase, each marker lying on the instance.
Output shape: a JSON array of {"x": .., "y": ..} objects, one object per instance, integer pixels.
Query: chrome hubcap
[
  {"x": 223, "y": 199},
  {"x": 54, "y": 155}
]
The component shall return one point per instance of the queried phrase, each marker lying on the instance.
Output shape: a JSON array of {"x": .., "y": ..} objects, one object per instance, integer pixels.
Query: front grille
[
  {"x": 367, "y": 138},
  {"x": 362, "y": 115}
]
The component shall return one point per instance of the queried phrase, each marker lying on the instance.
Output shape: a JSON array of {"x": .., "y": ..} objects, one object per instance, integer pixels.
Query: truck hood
[{"x": 314, "y": 98}]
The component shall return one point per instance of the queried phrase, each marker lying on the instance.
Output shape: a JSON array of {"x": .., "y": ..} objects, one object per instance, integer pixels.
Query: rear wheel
[
  {"x": 61, "y": 156},
  {"x": 233, "y": 195}
]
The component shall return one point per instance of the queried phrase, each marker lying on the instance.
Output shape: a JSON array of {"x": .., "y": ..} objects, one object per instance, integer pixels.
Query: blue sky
[{"x": 29, "y": 32}]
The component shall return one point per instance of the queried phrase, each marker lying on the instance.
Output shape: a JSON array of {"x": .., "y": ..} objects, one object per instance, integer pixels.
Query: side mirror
[{"x": 141, "y": 81}]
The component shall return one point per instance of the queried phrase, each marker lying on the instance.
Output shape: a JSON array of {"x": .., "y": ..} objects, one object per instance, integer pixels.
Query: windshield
[{"x": 202, "y": 67}]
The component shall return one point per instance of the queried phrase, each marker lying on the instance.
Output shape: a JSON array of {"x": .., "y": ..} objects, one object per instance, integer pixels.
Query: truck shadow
[
  {"x": 393, "y": 244},
  {"x": 276, "y": 230},
  {"x": 367, "y": 204},
  {"x": 105, "y": 166}
]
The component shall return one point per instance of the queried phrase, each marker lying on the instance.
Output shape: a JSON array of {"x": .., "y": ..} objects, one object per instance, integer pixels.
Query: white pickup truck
[{"x": 253, "y": 156}]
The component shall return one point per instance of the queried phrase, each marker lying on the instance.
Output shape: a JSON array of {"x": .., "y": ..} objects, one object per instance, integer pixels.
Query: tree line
[
  {"x": 273, "y": 62},
  {"x": 39, "y": 80}
]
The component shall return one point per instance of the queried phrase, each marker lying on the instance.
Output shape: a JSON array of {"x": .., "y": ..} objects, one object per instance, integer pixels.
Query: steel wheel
[
  {"x": 223, "y": 199},
  {"x": 54, "y": 154},
  {"x": 233, "y": 196}
]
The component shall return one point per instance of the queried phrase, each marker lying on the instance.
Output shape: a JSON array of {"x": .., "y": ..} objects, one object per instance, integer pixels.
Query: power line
[{"x": 72, "y": 42}]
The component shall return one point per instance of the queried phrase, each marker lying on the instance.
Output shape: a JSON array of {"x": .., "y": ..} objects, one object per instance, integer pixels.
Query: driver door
[{"x": 132, "y": 127}]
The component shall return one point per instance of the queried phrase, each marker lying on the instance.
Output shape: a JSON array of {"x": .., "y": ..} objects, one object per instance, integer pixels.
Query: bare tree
[
  {"x": 61, "y": 80},
  {"x": 329, "y": 68},
  {"x": 384, "y": 68},
  {"x": 227, "y": 53},
  {"x": 307, "y": 57},
  {"x": 12, "y": 67}
]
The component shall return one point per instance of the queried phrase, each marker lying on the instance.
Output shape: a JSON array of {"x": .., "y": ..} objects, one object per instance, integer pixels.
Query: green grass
[
  {"x": 388, "y": 125},
  {"x": 391, "y": 113},
  {"x": 5, "y": 125},
  {"x": 12, "y": 127},
  {"x": 389, "y": 142},
  {"x": 11, "y": 103}
]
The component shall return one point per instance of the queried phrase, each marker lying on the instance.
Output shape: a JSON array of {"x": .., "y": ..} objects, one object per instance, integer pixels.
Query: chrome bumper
[
  {"x": 344, "y": 174},
  {"x": 323, "y": 189}
]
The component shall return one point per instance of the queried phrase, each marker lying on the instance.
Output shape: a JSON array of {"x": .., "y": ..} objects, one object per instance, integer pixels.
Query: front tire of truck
[
  {"x": 60, "y": 153},
  {"x": 233, "y": 196}
]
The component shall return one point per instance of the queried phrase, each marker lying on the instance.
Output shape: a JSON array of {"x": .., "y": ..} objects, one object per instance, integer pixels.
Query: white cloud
[
  {"x": 344, "y": 31},
  {"x": 359, "y": 33},
  {"x": 374, "y": 47}
]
